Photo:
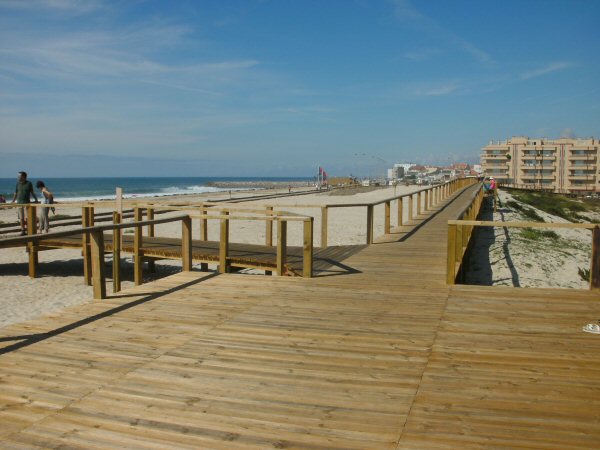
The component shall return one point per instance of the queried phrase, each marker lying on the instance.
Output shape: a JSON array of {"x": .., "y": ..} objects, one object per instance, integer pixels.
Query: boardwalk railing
[
  {"x": 457, "y": 229},
  {"x": 94, "y": 248},
  {"x": 413, "y": 203},
  {"x": 459, "y": 237}
]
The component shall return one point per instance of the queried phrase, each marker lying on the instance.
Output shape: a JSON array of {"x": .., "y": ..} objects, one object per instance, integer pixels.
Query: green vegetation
[
  {"x": 584, "y": 274},
  {"x": 128, "y": 232},
  {"x": 534, "y": 234},
  {"x": 555, "y": 204},
  {"x": 528, "y": 213}
]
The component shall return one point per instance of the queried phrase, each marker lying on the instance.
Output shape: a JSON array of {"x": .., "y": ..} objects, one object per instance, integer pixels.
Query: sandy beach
[{"x": 60, "y": 282}]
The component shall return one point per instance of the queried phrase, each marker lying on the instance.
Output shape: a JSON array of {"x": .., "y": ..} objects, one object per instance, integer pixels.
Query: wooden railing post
[
  {"x": 32, "y": 246},
  {"x": 400, "y": 219},
  {"x": 85, "y": 247},
  {"x": 410, "y": 206},
  {"x": 116, "y": 264},
  {"x": 595, "y": 264},
  {"x": 451, "y": 257},
  {"x": 370, "y": 223},
  {"x": 418, "y": 203},
  {"x": 203, "y": 232},
  {"x": 307, "y": 258},
  {"x": 269, "y": 228},
  {"x": 324, "y": 220},
  {"x": 281, "y": 246},
  {"x": 458, "y": 247},
  {"x": 97, "y": 257},
  {"x": 387, "y": 226},
  {"x": 224, "y": 245},
  {"x": 186, "y": 244},
  {"x": 426, "y": 202},
  {"x": 150, "y": 216},
  {"x": 137, "y": 248}
]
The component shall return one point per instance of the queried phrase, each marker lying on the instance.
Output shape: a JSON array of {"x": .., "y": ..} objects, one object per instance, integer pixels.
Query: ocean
[{"x": 77, "y": 189}]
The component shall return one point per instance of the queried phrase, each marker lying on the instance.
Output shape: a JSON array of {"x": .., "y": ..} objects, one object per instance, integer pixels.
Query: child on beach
[{"x": 48, "y": 199}]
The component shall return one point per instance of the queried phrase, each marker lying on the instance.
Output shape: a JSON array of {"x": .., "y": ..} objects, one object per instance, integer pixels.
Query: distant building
[
  {"x": 398, "y": 171},
  {"x": 564, "y": 165}
]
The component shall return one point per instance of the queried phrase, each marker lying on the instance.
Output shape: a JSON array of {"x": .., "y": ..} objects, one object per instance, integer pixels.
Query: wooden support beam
[
  {"x": 97, "y": 256},
  {"x": 85, "y": 247},
  {"x": 418, "y": 203},
  {"x": 138, "y": 262},
  {"x": 595, "y": 264},
  {"x": 307, "y": 259},
  {"x": 400, "y": 218},
  {"x": 458, "y": 247},
  {"x": 281, "y": 246},
  {"x": 224, "y": 245},
  {"x": 203, "y": 233},
  {"x": 269, "y": 228},
  {"x": 116, "y": 264},
  {"x": 324, "y": 225},
  {"x": 451, "y": 257},
  {"x": 387, "y": 226},
  {"x": 150, "y": 216},
  {"x": 370, "y": 224},
  {"x": 32, "y": 246},
  {"x": 186, "y": 244},
  {"x": 426, "y": 202},
  {"x": 410, "y": 206}
]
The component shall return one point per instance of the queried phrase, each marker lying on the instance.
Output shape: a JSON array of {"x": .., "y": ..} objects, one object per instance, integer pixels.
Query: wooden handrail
[
  {"x": 460, "y": 232},
  {"x": 487, "y": 223}
]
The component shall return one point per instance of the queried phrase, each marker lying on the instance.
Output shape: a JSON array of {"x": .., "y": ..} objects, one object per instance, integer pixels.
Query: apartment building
[{"x": 561, "y": 165}]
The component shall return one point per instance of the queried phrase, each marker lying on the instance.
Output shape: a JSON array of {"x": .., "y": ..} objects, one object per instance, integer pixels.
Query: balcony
[
  {"x": 588, "y": 157},
  {"x": 589, "y": 177}
]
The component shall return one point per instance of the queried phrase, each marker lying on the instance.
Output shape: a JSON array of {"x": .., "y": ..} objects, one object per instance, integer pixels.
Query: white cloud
[{"x": 552, "y": 67}]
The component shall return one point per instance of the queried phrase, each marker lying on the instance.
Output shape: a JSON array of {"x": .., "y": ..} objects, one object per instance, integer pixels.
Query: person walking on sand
[
  {"x": 23, "y": 193},
  {"x": 48, "y": 199}
]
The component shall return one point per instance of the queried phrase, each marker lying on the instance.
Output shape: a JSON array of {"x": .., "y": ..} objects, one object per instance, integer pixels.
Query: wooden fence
[{"x": 460, "y": 232}]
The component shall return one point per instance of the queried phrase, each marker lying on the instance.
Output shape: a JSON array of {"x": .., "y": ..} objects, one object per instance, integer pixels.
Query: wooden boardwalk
[{"x": 381, "y": 355}]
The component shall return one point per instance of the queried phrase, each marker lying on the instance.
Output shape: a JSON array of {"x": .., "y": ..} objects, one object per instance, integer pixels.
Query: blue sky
[{"x": 275, "y": 88}]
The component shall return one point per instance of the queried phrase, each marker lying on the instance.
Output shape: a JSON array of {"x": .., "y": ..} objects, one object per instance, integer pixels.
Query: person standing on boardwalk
[
  {"x": 23, "y": 193},
  {"x": 48, "y": 199}
]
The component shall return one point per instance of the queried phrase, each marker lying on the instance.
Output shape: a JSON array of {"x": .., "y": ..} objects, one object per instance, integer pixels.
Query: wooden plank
[{"x": 384, "y": 357}]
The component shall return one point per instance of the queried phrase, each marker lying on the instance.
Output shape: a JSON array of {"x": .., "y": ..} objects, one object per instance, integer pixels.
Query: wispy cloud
[
  {"x": 405, "y": 11},
  {"x": 421, "y": 54},
  {"x": 549, "y": 68},
  {"x": 70, "y": 6},
  {"x": 436, "y": 90}
]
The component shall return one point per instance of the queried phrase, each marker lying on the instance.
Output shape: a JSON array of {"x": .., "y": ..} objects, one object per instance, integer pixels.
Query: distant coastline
[{"x": 81, "y": 189}]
